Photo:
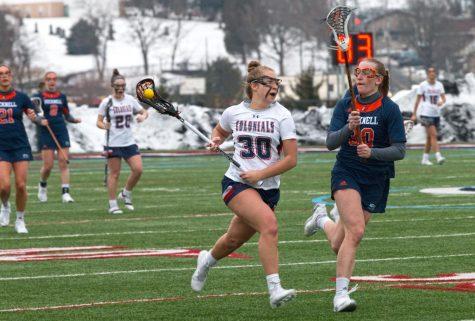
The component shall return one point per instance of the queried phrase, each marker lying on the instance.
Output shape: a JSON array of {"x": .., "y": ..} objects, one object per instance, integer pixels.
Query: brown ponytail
[
  {"x": 381, "y": 69},
  {"x": 254, "y": 71},
  {"x": 116, "y": 75}
]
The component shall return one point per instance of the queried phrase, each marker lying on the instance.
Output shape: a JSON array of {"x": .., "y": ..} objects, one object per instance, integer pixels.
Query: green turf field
[{"x": 178, "y": 206}]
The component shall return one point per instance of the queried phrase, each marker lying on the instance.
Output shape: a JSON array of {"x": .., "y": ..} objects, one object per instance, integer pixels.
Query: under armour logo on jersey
[{"x": 255, "y": 116}]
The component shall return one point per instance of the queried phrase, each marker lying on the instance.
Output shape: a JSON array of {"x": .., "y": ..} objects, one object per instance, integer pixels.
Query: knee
[
  {"x": 47, "y": 167},
  {"x": 21, "y": 187},
  {"x": 271, "y": 229},
  {"x": 4, "y": 187},
  {"x": 138, "y": 171},
  {"x": 114, "y": 175},
  {"x": 355, "y": 234}
]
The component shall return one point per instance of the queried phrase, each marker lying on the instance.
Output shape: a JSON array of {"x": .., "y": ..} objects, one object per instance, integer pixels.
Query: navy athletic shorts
[
  {"x": 430, "y": 121},
  {"x": 231, "y": 188},
  {"x": 16, "y": 155},
  {"x": 374, "y": 196},
  {"x": 124, "y": 152}
]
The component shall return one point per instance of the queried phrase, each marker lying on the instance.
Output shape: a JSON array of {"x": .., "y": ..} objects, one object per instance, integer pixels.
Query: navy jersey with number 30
[
  {"x": 12, "y": 132},
  {"x": 381, "y": 125}
]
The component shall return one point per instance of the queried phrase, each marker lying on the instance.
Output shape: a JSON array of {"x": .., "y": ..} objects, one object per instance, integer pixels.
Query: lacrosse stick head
[
  {"x": 337, "y": 19},
  {"x": 155, "y": 101},
  {"x": 38, "y": 105},
  {"x": 408, "y": 125}
]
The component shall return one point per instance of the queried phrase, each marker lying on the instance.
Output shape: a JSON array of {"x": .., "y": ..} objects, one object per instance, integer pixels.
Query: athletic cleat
[
  {"x": 5, "y": 214},
  {"x": 115, "y": 210},
  {"x": 67, "y": 198},
  {"x": 127, "y": 201},
  {"x": 20, "y": 227},
  {"x": 344, "y": 303},
  {"x": 311, "y": 226},
  {"x": 42, "y": 193},
  {"x": 198, "y": 278},
  {"x": 334, "y": 214},
  {"x": 426, "y": 162},
  {"x": 282, "y": 296},
  {"x": 440, "y": 160}
]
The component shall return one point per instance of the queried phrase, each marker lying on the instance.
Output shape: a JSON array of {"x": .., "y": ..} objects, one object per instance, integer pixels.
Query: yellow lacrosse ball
[{"x": 148, "y": 93}]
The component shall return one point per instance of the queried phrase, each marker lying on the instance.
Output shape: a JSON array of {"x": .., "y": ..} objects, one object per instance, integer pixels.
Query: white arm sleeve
[
  {"x": 442, "y": 89},
  {"x": 287, "y": 129},
  {"x": 225, "y": 121}
]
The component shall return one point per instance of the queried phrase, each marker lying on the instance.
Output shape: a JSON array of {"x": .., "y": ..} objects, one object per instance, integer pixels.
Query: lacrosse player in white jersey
[
  {"x": 261, "y": 129},
  {"x": 432, "y": 94},
  {"x": 116, "y": 114}
]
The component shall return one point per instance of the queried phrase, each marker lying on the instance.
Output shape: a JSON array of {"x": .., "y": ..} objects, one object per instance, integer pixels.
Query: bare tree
[
  {"x": 101, "y": 16},
  {"x": 23, "y": 55},
  {"x": 179, "y": 8},
  {"x": 146, "y": 31},
  {"x": 432, "y": 32},
  {"x": 7, "y": 34}
]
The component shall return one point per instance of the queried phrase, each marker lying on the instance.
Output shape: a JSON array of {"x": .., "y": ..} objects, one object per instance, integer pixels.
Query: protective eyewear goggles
[
  {"x": 367, "y": 72},
  {"x": 118, "y": 86},
  {"x": 268, "y": 81}
]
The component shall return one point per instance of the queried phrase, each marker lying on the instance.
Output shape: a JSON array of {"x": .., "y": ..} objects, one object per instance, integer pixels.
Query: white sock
[
  {"x": 273, "y": 282},
  {"x": 64, "y": 185},
  {"x": 20, "y": 215},
  {"x": 113, "y": 203},
  {"x": 126, "y": 192},
  {"x": 438, "y": 155},
  {"x": 425, "y": 157},
  {"x": 322, "y": 221},
  {"x": 341, "y": 286},
  {"x": 210, "y": 260}
]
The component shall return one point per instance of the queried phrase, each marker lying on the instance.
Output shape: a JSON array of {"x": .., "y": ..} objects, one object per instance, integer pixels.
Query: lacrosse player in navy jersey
[
  {"x": 121, "y": 108},
  {"x": 15, "y": 150},
  {"x": 362, "y": 172},
  {"x": 432, "y": 94},
  {"x": 56, "y": 111},
  {"x": 261, "y": 129}
]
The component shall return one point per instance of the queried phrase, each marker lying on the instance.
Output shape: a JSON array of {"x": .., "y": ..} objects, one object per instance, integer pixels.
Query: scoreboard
[{"x": 360, "y": 46}]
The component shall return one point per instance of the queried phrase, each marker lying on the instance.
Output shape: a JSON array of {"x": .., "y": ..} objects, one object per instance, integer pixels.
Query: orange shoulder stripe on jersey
[
  {"x": 366, "y": 108},
  {"x": 8, "y": 96},
  {"x": 47, "y": 94}
]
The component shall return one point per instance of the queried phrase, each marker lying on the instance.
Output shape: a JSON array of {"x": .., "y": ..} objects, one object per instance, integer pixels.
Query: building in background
[{"x": 35, "y": 8}]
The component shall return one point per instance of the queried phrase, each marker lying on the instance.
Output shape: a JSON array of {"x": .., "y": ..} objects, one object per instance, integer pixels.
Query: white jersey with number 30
[
  {"x": 257, "y": 137},
  {"x": 122, "y": 117}
]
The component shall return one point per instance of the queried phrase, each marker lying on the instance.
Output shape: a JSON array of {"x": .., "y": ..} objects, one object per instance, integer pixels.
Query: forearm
[
  {"x": 69, "y": 118},
  {"x": 282, "y": 166},
  {"x": 395, "y": 152},
  {"x": 101, "y": 124},
  {"x": 337, "y": 138}
]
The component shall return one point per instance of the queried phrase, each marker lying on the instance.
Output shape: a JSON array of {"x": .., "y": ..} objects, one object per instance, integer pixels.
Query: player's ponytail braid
[{"x": 116, "y": 75}]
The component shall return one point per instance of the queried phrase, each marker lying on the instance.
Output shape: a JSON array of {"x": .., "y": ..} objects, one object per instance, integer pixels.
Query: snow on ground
[{"x": 160, "y": 132}]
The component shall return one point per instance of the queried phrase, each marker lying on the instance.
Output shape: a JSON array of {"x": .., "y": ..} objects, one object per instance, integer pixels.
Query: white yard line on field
[{"x": 227, "y": 267}]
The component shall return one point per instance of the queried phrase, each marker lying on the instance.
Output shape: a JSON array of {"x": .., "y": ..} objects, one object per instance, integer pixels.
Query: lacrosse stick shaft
[
  {"x": 60, "y": 150},
  {"x": 106, "y": 164},
  {"x": 206, "y": 139},
  {"x": 352, "y": 93}
]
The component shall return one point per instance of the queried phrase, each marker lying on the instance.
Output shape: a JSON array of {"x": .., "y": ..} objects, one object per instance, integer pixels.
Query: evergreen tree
[
  {"x": 223, "y": 83},
  {"x": 83, "y": 39}
]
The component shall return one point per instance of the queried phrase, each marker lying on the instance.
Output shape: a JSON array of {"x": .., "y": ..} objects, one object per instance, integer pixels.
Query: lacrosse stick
[
  {"x": 39, "y": 110},
  {"x": 337, "y": 20},
  {"x": 154, "y": 100},
  {"x": 408, "y": 126},
  {"x": 106, "y": 154}
]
